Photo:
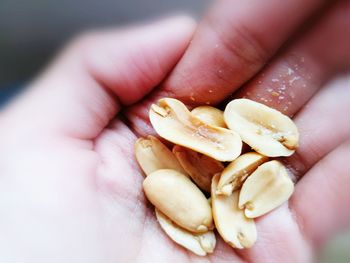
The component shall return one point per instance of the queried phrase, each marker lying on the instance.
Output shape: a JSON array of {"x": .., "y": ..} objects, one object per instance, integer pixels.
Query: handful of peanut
[{"x": 178, "y": 182}]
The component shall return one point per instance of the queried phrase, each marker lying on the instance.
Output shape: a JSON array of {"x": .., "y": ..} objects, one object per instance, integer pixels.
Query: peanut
[
  {"x": 235, "y": 229},
  {"x": 266, "y": 130},
  {"x": 201, "y": 168},
  {"x": 210, "y": 115},
  {"x": 236, "y": 172},
  {"x": 200, "y": 244},
  {"x": 152, "y": 155},
  {"x": 175, "y": 195},
  {"x": 265, "y": 189},
  {"x": 175, "y": 123}
]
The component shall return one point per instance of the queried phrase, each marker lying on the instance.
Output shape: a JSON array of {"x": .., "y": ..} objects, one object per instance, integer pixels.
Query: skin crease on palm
[{"x": 70, "y": 189}]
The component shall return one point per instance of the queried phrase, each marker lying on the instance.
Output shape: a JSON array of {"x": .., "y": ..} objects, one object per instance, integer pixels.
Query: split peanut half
[
  {"x": 265, "y": 189},
  {"x": 210, "y": 115},
  {"x": 153, "y": 155},
  {"x": 175, "y": 123},
  {"x": 201, "y": 168},
  {"x": 266, "y": 130},
  {"x": 200, "y": 244},
  {"x": 175, "y": 195},
  {"x": 236, "y": 172},
  {"x": 233, "y": 226}
]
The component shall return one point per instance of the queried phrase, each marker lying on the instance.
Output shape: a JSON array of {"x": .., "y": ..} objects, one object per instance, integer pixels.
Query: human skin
[{"x": 70, "y": 188}]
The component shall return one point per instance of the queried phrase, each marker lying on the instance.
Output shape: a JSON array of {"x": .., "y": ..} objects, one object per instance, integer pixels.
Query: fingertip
[
  {"x": 180, "y": 24},
  {"x": 186, "y": 22}
]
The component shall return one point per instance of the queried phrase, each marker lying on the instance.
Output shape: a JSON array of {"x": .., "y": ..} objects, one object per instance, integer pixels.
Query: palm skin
[
  {"x": 71, "y": 190},
  {"x": 83, "y": 202}
]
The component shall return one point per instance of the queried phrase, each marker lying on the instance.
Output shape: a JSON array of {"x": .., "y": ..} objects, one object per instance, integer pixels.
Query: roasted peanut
[
  {"x": 153, "y": 155},
  {"x": 265, "y": 189},
  {"x": 266, "y": 130},
  {"x": 236, "y": 172},
  {"x": 210, "y": 115},
  {"x": 175, "y": 123},
  {"x": 175, "y": 195},
  {"x": 200, "y": 244},
  {"x": 201, "y": 168},
  {"x": 250, "y": 186},
  {"x": 236, "y": 229}
]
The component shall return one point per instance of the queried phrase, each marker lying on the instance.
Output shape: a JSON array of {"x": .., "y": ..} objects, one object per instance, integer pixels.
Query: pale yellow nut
[
  {"x": 266, "y": 130},
  {"x": 265, "y": 189},
  {"x": 210, "y": 115},
  {"x": 236, "y": 172},
  {"x": 175, "y": 123},
  {"x": 153, "y": 155},
  {"x": 175, "y": 195},
  {"x": 200, "y": 167},
  {"x": 200, "y": 244},
  {"x": 235, "y": 229}
]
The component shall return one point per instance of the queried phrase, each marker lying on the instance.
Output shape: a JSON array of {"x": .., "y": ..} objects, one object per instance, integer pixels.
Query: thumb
[{"x": 87, "y": 84}]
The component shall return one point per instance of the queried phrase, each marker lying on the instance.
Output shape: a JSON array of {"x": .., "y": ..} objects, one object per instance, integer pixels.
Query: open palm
[{"x": 70, "y": 189}]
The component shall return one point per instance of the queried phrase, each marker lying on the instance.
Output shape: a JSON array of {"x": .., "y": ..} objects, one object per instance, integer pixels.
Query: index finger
[{"x": 233, "y": 43}]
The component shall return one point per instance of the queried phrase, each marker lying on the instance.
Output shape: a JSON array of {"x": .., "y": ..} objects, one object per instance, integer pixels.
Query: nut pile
[{"x": 206, "y": 160}]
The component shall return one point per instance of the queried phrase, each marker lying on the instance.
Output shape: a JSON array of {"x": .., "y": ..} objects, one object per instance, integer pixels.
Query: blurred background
[{"x": 32, "y": 31}]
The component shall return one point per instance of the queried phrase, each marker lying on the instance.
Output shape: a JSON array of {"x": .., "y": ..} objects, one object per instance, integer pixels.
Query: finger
[
  {"x": 291, "y": 79},
  {"x": 321, "y": 198},
  {"x": 98, "y": 73},
  {"x": 291, "y": 235},
  {"x": 281, "y": 235},
  {"x": 232, "y": 44},
  {"x": 279, "y": 240},
  {"x": 323, "y": 126}
]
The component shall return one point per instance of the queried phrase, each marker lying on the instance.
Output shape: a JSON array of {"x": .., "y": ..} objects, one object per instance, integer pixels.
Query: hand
[
  {"x": 70, "y": 188},
  {"x": 281, "y": 53}
]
